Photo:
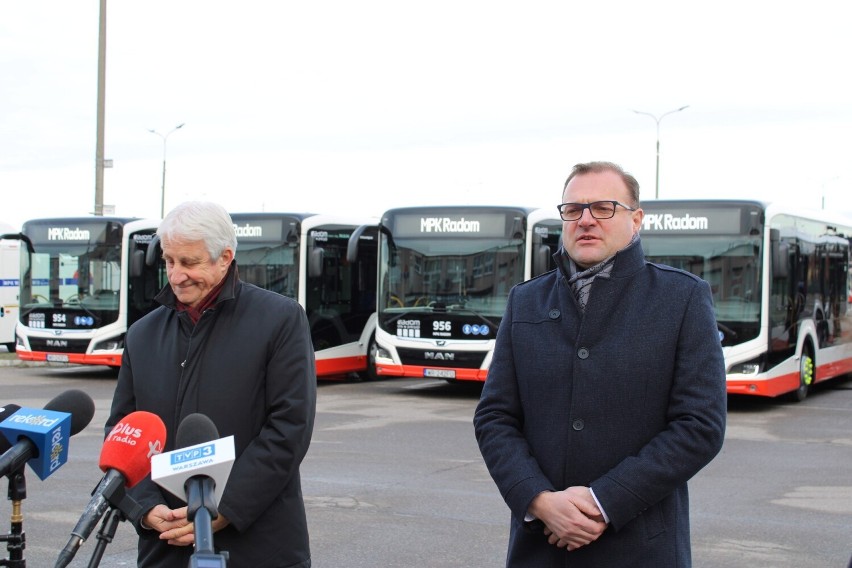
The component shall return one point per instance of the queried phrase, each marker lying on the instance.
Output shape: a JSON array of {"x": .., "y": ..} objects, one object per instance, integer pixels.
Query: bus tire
[
  {"x": 806, "y": 376},
  {"x": 369, "y": 374},
  {"x": 10, "y": 347}
]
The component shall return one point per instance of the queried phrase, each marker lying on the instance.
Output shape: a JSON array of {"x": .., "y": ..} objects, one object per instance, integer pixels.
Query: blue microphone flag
[{"x": 49, "y": 432}]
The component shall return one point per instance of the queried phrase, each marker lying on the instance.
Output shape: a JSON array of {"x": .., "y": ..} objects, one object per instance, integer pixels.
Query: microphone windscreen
[
  {"x": 6, "y": 411},
  {"x": 78, "y": 404},
  {"x": 195, "y": 429},
  {"x": 128, "y": 448}
]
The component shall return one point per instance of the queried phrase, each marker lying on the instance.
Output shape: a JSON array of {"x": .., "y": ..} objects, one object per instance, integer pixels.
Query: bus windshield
[
  {"x": 273, "y": 266},
  {"x": 71, "y": 283},
  {"x": 464, "y": 273},
  {"x": 268, "y": 251},
  {"x": 732, "y": 267}
]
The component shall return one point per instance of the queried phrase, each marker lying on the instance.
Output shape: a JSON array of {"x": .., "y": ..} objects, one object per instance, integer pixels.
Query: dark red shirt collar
[{"x": 206, "y": 302}]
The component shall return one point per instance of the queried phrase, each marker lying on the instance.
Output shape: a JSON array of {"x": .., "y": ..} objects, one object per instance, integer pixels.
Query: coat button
[
  {"x": 583, "y": 353},
  {"x": 578, "y": 424},
  {"x": 553, "y": 314}
]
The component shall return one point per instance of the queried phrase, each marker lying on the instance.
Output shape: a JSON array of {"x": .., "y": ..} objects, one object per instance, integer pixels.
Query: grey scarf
[{"x": 581, "y": 281}]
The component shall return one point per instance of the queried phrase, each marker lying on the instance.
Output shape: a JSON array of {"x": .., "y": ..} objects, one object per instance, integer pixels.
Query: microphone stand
[
  {"x": 121, "y": 506},
  {"x": 105, "y": 535},
  {"x": 16, "y": 539},
  {"x": 201, "y": 510}
]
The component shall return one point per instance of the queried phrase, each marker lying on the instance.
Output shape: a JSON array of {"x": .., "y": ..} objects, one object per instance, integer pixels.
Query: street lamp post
[
  {"x": 824, "y": 183},
  {"x": 657, "y": 119},
  {"x": 99, "y": 139},
  {"x": 163, "y": 189}
]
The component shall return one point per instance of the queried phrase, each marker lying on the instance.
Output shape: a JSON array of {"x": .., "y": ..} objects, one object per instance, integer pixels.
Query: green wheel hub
[{"x": 807, "y": 369}]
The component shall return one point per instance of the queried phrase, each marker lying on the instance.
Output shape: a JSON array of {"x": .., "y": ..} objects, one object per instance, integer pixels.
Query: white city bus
[
  {"x": 779, "y": 278},
  {"x": 303, "y": 256},
  {"x": 83, "y": 281},
  {"x": 10, "y": 269},
  {"x": 444, "y": 279}
]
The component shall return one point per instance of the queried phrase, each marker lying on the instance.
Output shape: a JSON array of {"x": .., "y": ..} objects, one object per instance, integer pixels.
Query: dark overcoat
[
  {"x": 627, "y": 398},
  {"x": 248, "y": 364}
]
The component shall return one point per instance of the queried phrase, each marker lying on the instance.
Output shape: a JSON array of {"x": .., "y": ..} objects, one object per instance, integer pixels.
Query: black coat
[
  {"x": 627, "y": 398},
  {"x": 248, "y": 364}
]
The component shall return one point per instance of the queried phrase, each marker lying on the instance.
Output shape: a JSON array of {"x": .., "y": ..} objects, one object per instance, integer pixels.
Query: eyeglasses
[{"x": 598, "y": 210}]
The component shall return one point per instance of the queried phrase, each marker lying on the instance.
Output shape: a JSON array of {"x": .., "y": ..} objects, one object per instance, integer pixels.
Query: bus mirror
[
  {"x": 352, "y": 246},
  {"x": 154, "y": 252},
  {"x": 518, "y": 228},
  {"x": 137, "y": 264},
  {"x": 779, "y": 254},
  {"x": 19, "y": 237},
  {"x": 292, "y": 237},
  {"x": 541, "y": 260},
  {"x": 315, "y": 263}
]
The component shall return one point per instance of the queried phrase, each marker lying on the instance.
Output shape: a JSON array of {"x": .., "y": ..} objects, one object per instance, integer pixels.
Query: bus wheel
[
  {"x": 806, "y": 377},
  {"x": 369, "y": 374},
  {"x": 10, "y": 347}
]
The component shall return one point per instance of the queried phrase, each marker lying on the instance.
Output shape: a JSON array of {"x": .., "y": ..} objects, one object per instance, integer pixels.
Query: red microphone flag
[{"x": 128, "y": 448}]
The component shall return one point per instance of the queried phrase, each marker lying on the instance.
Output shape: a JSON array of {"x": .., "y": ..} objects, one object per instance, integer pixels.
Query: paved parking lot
[{"x": 394, "y": 479}]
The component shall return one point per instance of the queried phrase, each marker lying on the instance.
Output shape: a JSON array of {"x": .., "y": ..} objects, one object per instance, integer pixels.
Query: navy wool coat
[{"x": 627, "y": 398}]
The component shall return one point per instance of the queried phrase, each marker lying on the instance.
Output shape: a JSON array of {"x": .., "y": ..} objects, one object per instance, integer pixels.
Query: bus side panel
[
  {"x": 341, "y": 360},
  {"x": 784, "y": 377},
  {"x": 10, "y": 267},
  {"x": 833, "y": 362}
]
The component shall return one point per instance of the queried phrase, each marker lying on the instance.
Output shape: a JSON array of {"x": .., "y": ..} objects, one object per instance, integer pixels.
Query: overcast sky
[{"x": 355, "y": 107}]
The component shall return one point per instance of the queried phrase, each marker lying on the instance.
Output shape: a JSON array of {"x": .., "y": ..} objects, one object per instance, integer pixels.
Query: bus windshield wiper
[
  {"x": 727, "y": 330},
  {"x": 402, "y": 314},
  {"x": 86, "y": 310}
]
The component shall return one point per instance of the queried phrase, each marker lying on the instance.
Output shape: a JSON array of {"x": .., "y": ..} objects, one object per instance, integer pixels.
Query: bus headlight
[
  {"x": 752, "y": 367},
  {"x": 382, "y": 353},
  {"x": 112, "y": 344}
]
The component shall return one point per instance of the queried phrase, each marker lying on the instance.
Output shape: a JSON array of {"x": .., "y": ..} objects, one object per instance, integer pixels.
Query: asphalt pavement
[{"x": 394, "y": 479}]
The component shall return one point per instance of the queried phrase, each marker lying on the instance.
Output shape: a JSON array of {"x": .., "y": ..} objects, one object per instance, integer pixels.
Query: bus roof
[
  {"x": 443, "y": 208},
  {"x": 270, "y": 215},
  {"x": 80, "y": 219}
]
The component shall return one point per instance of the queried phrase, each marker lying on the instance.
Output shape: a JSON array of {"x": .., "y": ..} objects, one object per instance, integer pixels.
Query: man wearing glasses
[{"x": 606, "y": 392}]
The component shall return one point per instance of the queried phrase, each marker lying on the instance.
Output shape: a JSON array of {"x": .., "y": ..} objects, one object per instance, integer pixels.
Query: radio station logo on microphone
[
  {"x": 154, "y": 448},
  {"x": 192, "y": 457},
  {"x": 34, "y": 419},
  {"x": 57, "y": 447},
  {"x": 125, "y": 434}
]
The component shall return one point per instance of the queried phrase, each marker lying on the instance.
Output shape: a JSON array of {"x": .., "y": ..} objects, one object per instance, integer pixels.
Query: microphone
[
  {"x": 126, "y": 460},
  {"x": 6, "y": 411},
  {"x": 79, "y": 404},
  {"x": 199, "y": 453},
  {"x": 197, "y": 472},
  {"x": 40, "y": 436}
]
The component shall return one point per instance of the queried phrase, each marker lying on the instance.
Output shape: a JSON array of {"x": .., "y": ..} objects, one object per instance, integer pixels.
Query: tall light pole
[
  {"x": 657, "y": 119},
  {"x": 99, "y": 142},
  {"x": 163, "y": 190},
  {"x": 824, "y": 183}
]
